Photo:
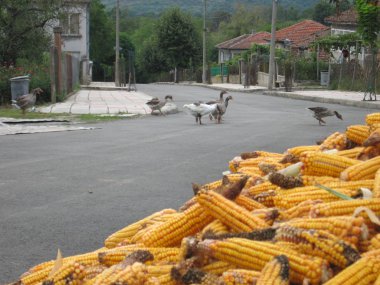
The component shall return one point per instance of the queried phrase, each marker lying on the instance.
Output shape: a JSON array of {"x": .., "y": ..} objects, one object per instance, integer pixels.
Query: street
[{"x": 70, "y": 190}]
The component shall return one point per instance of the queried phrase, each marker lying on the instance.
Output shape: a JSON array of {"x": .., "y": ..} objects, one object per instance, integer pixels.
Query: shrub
[{"x": 38, "y": 73}]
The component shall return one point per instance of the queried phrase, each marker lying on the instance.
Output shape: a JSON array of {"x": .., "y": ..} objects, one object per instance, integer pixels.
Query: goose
[
  {"x": 199, "y": 109},
  {"x": 157, "y": 104},
  {"x": 221, "y": 109},
  {"x": 321, "y": 112},
  {"x": 28, "y": 100},
  {"x": 220, "y": 100}
]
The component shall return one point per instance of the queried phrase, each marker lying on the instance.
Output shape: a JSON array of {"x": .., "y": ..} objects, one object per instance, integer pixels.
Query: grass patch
[
  {"x": 17, "y": 114},
  {"x": 100, "y": 118}
]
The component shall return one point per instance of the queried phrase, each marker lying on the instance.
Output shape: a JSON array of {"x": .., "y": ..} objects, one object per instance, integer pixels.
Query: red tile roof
[
  {"x": 302, "y": 33},
  {"x": 349, "y": 17},
  {"x": 246, "y": 41}
]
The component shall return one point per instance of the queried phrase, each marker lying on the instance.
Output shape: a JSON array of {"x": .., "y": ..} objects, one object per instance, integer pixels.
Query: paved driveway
[{"x": 70, "y": 190}]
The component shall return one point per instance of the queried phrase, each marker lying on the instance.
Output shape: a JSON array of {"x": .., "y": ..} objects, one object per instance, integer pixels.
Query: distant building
[
  {"x": 297, "y": 37},
  {"x": 344, "y": 23},
  {"x": 76, "y": 28},
  {"x": 75, "y": 24},
  {"x": 230, "y": 48},
  {"x": 300, "y": 36}
]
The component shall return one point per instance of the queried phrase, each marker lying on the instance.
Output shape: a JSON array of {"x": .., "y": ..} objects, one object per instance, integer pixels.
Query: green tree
[
  {"x": 322, "y": 10},
  {"x": 23, "y": 28},
  {"x": 102, "y": 34},
  {"x": 178, "y": 40},
  {"x": 369, "y": 20}
]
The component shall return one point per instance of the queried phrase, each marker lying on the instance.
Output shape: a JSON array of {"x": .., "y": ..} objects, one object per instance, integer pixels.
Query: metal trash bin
[
  {"x": 19, "y": 86},
  {"x": 325, "y": 78}
]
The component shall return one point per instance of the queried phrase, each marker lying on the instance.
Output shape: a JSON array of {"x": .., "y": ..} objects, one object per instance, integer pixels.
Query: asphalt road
[{"x": 70, "y": 190}]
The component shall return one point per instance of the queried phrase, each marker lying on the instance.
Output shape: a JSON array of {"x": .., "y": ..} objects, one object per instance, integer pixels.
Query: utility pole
[
  {"x": 204, "y": 73},
  {"x": 272, "y": 44},
  {"x": 117, "y": 48}
]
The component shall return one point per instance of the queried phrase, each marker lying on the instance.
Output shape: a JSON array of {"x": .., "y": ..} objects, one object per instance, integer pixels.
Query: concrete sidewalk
[
  {"x": 102, "y": 98},
  {"x": 105, "y": 98}
]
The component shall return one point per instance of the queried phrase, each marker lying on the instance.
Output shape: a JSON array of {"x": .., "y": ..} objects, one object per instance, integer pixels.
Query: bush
[{"x": 39, "y": 77}]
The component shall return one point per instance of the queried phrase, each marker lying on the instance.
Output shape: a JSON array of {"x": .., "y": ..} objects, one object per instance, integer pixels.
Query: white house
[{"x": 75, "y": 24}]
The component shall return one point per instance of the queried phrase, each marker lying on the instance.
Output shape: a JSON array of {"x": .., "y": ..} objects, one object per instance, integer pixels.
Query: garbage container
[
  {"x": 19, "y": 86},
  {"x": 325, "y": 78}
]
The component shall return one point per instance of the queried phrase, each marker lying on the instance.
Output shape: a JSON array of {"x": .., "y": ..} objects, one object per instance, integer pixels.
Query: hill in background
[{"x": 155, "y": 7}]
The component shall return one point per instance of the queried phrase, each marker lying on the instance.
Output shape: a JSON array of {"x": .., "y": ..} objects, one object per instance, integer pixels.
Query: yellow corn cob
[
  {"x": 232, "y": 215},
  {"x": 373, "y": 118},
  {"x": 248, "y": 254},
  {"x": 36, "y": 277},
  {"x": 369, "y": 152},
  {"x": 240, "y": 277},
  {"x": 218, "y": 267},
  {"x": 344, "y": 208},
  {"x": 91, "y": 272},
  {"x": 135, "y": 274},
  {"x": 298, "y": 211},
  {"x": 165, "y": 279},
  {"x": 357, "y": 133},
  {"x": 258, "y": 189},
  {"x": 376, "y": 185},
  {"x": 377, "y": 282},
  {"x": 255, "y": 154},
  {"x": 351, "y": 153},
  {"x": 267, "y": 168},
  {"x": 266, "y": 198},
  {"x": 334, "y": 141},
  {"x": 213, "y": 185},
  {"x": 320, "y": 243},
  {"x": 41, "y": 271},
  {"x": 375, "y": 253},
  {"x": 171, "y": 232},
  {"x": 375, "y": 242},
  {"x": 108, "y": 276},
  {"x": 234, "y": 177},
  {"x": 308, "y": 180},
  {"x": 349, "y": 229},
  {"x": 299, "y": 150},
  {"x": 158, "y": 270},
  {"x": 275, "y": 272},
  {"x": 269, "y": 215},
  {"x": 248, "y": 203},
  {"x": 348, "y": 185},
  {"x": 69, "y": 272},
  {"x": 254, "y": 162},
  {"x": 286, "y": 201},
  {"x": 362, "y": 272},
  {"x": 290, "y": 245},
  {"x": 216, "y": 227},
  {"x": 131, "y": 230},
  {"x": 250, "y": 170},
  {"x": 160, "y": 254},
  {"x": 363, "y": 170},
  {"x": 323, "y": 164}
]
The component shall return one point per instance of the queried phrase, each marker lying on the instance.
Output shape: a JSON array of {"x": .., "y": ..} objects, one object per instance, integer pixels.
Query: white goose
[{"x": 199, "y": 109}]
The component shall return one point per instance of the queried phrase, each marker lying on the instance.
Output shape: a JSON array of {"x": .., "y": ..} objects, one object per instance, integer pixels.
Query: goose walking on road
[
  {"x": 199, "y": 109},
  {"x": 322, "y": 112},
  {"x": 157, "y": 104},
  {"x": 221, "y": 109}
]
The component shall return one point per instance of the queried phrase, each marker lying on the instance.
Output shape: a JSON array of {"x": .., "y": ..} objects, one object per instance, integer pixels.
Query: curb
[
  {"x": 350, "y": 103},
  {"x": 289, "y": 95}
]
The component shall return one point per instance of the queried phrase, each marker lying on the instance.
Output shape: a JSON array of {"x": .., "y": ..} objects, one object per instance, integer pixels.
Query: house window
[{"x": 70, "y": 24}]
